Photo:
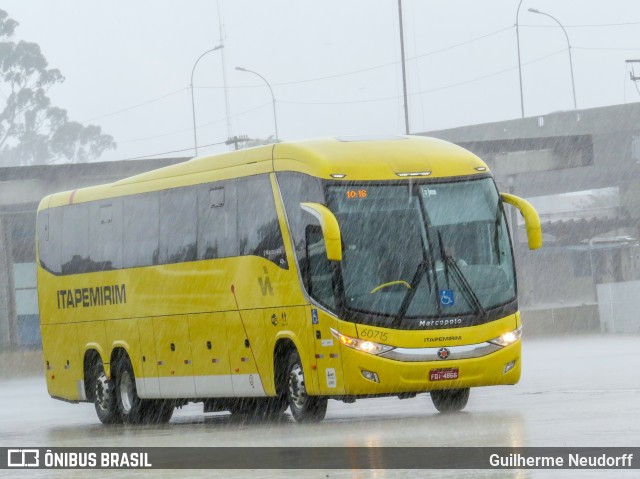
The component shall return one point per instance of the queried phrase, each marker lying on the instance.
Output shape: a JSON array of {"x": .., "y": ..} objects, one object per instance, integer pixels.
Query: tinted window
[
  {"x": 75, "y": 239},
  {"x": 105, "y": 234},
  {"x": 217, "y": 213},
  {"x": 178, "y": 225},
  {"x": 141, "y": 224},
  {"x": 258, "y": 228},
  {"x": 49, "y": 231}
]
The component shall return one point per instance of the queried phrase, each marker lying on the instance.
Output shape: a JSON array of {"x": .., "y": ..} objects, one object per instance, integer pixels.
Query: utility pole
[
  {"x": 404, "y": 71},
  {"x": 519, "y": 61},
  {"x": 236, "y": 140},
  {"x": 224, "y": 74}
]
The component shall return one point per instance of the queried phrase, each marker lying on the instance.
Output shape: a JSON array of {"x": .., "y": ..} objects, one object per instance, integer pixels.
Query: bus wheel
[
  {"x": 304, "y": 408},
  {"x": 275, "y": 407},
  {"x": 104, "y": 395},
  {"x": 131, "y": 407},
  {"x": 450, "y": 400},
  {"x": 156, "y": 411}
]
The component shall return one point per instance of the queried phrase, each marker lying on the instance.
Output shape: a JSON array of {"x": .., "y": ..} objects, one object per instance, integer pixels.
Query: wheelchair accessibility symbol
[{"x": 446, "y": 297}]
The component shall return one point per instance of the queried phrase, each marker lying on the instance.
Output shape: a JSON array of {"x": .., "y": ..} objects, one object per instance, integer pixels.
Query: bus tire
[
  {"x": 130, "y": 406},
  {"x": 275, "y": 407},
  {"x": 104, "y": 397},
  {"x": 156, "y": 411},
  {"x": 450, "y": 400},
  {"x": 304, "y": 408}
]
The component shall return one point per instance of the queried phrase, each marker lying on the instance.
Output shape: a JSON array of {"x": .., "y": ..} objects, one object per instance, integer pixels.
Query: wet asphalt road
[{"x": 574, "y": 391}]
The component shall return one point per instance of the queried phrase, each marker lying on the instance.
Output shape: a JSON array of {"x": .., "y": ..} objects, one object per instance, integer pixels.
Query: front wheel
[
  {"x": 304, "y": 408},
  {"x": 450, "y": 400}
]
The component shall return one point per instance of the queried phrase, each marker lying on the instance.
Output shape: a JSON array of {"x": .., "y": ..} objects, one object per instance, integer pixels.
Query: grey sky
[{"x": 119, "y": 54}]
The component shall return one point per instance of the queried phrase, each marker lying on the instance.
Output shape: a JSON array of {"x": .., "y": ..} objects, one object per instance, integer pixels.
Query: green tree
[{"x": 32, "y": 130}]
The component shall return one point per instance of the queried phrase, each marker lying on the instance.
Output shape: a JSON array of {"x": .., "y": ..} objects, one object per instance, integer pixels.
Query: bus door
[
  {"x": 327, "y": 352},
  {"x": 173, "y": 357},
  {"x": 319, "y": 276}
]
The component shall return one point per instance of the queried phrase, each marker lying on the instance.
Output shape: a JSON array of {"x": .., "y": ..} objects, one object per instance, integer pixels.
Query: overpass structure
[{"x": 581, "y": 169}]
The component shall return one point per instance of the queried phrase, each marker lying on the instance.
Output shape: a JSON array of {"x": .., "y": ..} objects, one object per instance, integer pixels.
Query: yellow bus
[{"x": 282, "y": 276}]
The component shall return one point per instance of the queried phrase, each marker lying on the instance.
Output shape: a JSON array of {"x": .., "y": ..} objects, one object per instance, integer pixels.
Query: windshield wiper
[
  {"x": 450, "y": 263},
  {"x": 422, "y": 268}
]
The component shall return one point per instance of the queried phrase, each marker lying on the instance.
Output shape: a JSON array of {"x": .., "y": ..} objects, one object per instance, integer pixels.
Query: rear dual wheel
[
  {"x": 132, "y": 408},
  {"x": 104, "y": 397}
]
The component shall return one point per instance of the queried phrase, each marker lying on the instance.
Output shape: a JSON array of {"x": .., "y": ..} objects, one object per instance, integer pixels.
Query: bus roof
[{"x": 348, "y": 159}]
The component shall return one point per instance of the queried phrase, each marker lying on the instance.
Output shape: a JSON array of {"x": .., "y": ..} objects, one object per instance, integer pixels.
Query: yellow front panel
[
  {"x": 399, "y": 377},
  {"x": 437, "y": 337}
]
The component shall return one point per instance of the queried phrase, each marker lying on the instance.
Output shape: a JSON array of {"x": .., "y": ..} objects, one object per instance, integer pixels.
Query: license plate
[{"x": 443, "y": 374}]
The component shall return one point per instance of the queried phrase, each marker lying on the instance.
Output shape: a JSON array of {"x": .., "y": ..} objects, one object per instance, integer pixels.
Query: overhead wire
[
  {"x": 355, "y": 72},
  {"x": 220, "y": 120},
  {"x": 375, "y": 67},
  {"x": 431, "y": 90},
  {"x": 173, "y": 151},
  {"x": 592, "y": 25},
  {"x": 138, "y": 105}
]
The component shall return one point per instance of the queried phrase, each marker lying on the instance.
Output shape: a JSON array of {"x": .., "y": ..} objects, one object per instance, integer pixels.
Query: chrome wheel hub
[
  {"x": 127, "y": 392},
  {"x": 297, "y": 391},
  {"x": 103, "y": 393}
]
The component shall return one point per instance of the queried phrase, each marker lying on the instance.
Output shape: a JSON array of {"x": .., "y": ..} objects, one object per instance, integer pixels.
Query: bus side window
[
  {"x": 258, "y": 227},
  {"x": 217, "y": 220},
  {"x": 105, "y": 234},
  {"x": 49, "y": 239},
  {"x": 141, "y": 230},
  {"x": 75, "y": 239},
  {"x": 178, "y": 225}
]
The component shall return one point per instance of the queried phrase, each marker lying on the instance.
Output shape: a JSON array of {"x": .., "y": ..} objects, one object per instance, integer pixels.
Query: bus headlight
[
  {"x": 361, "y": 344},
  {"x": 508, "y": 338}
]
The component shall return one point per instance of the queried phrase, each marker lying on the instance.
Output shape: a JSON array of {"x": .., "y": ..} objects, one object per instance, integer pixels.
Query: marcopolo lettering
[{"x": 92, "y": 296}]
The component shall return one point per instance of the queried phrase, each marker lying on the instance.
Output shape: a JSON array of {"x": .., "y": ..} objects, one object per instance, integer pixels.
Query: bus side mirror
[
  {"x": 330, "y": 229},
  {"x": 531, "y": 218}
]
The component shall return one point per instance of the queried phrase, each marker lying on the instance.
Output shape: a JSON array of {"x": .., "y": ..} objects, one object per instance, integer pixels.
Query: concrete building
[{"x": 21, "y": 189}]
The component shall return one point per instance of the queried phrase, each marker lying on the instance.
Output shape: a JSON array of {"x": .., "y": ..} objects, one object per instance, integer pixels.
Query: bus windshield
[{"x": 416, "y": 251}]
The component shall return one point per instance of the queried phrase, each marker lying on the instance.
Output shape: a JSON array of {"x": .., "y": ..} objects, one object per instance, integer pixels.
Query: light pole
[
  {"x": 273, "y": 98},
  {"x": 193, "y": 103},
  {"x": 573, "y": 85},
  {"x": 519, "y": 62},
  {"x": 404, "y": 71}
]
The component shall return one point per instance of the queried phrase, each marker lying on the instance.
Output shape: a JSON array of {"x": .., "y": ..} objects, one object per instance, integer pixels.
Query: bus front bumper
[{"x": 366, "y": 374}]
